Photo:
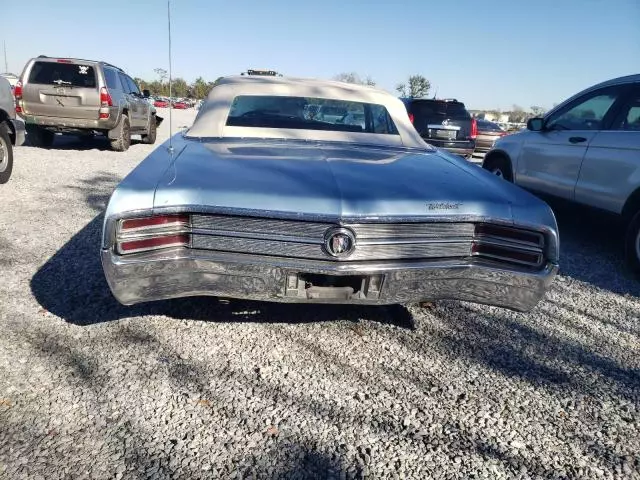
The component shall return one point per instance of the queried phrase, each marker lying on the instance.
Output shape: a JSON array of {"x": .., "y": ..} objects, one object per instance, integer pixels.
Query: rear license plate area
[
  {"x": 444, "y": 134},
  {"x": 313, "y": 286}
]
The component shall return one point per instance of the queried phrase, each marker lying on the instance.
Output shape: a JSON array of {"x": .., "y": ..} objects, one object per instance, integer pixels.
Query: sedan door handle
[{"x": 577, "y": 139}]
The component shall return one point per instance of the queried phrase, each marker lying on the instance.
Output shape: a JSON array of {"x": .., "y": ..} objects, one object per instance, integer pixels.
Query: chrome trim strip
[
  {"x": 552, "y": 242},
  {"x": 315, "y": 251}
]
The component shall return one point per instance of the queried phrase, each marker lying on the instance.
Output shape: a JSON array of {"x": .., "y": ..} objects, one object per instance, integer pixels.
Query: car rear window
[
  {"x": 294, "y": 113},
  {"x": 63, "y": 74},
  {"x": 433, "y": 109},
  {"x": 486, "y": 125}
]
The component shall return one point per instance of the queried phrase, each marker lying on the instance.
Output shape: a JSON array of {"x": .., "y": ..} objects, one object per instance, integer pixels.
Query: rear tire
[
  {"x": 122, "y": 139},
  {"x": 6, "y": 154},
  {"x": 39, "y": 137},
  {"x": 632, "y": 244},
  {"x": 500, "y": 167},
  {"x": 150, "y": 137}
]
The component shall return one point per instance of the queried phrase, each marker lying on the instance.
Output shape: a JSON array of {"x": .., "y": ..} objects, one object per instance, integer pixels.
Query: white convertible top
[{"x": 212, "y": 117}]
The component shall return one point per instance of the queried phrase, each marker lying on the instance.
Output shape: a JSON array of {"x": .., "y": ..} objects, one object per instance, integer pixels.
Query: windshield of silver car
[{"x": 310, "y": 113}]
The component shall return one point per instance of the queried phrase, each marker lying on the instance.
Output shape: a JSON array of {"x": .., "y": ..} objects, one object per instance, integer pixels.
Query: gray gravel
[{"x": 206, "y": 388}]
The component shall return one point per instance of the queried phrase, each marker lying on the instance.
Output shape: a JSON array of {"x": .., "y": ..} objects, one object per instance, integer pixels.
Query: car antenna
[{"x": 170, "y": 79}]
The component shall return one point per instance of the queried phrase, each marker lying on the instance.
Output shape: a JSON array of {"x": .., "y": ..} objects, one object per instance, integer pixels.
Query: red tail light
[
  {"x": 64, "y": 60},
  {"x": 152, "y": 233},
  {"x": 474, "y": 128},
  {"x": 411, "y": 117},
  {"x": 105, "y": 98},
  {"x": 17, "y": 91},
  {"x": 153, "y": 243},
  {"x": 153, "y": 222}
]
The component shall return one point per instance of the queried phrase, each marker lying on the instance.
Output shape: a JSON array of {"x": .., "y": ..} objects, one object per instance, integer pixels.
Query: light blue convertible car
[{"x": 258, "y": 201}]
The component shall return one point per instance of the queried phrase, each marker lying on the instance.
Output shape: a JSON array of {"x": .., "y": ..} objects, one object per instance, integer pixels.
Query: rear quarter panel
[{"x": 136, "y": 192}]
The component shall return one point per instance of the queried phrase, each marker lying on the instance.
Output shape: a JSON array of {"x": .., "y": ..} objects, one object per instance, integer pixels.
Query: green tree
[
  {"x": 416, "y": 87},
  {"x": 179, "y": 87},
  {"x": 199, "y": 88}
]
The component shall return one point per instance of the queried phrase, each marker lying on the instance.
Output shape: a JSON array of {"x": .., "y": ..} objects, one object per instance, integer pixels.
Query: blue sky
[{"x": 488, "y": 54}]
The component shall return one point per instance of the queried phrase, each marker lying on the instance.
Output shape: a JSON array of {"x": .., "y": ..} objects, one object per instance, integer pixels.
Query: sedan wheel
[
  {"x": 497, "y": 171},
  {"x": 499, "y": 166},
  {"x": 6, "y": 154},
  {"x": 632, "y": 244}
]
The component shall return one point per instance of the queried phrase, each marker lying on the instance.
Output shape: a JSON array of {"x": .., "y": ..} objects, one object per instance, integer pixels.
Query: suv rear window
[
  {"x": 264, "y": 111},
  {"x": 432, "y": 108},
  {"x": 63, "y": 74}
]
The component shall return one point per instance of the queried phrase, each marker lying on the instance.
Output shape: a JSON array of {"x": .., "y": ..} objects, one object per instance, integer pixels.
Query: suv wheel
[
  {"x": 500, "y": 167},
  {"x": 122, "y": 137},
  {"x": 6, "y": 154},
  {"x": 39, "y": 137},
  {"x": 632, "y": 243},
  {"x": 150, "y": 137}
]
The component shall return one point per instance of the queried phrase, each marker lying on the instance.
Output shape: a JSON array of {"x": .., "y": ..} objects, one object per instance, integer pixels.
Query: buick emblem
[{"x": 339, "y": 242}]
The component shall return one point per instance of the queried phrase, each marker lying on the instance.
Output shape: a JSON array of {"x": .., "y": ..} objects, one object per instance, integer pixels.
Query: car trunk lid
[
  {"x": 325, "y": 180},
  {"x": 63, "y": 88}
]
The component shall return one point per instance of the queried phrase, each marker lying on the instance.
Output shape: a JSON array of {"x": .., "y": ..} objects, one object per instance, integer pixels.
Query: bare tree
[
  {"x": 537, "y": 111},
  {"x": 416, "y": 87},
  {"x": 353, "y": 77},
  {"x": 517, "y": 114},
  {"x": 162, "y": 73}
]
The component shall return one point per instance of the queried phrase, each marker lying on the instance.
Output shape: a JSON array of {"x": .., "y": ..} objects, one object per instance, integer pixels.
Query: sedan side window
[
  {"x": 586, "y": 114},
  {"x": 629, "y": 117}
]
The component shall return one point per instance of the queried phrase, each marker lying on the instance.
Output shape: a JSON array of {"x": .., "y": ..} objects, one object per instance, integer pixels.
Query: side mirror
[
  {"x": 146, "y": 93},
  {"x": 535, "y": 124}
]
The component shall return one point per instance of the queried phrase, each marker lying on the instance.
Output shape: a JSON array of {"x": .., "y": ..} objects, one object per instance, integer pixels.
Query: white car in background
[{"x": 586, "y": 150}]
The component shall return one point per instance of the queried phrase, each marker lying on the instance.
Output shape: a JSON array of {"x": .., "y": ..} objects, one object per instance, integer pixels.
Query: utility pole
[{"x": 6, "y": 65}]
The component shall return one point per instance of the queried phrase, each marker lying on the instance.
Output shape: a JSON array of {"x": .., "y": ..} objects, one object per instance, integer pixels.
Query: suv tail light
[
  {"x": 136, "y": 235},
  {"x": 411, "y": 117},
  {"x": 17, "y": 94},
  {"x": 474, "y": 128},
  {"x": 105, "y": 98},
  {"x": 506, "y": 244},
  {"x": 17, "y": 91}
]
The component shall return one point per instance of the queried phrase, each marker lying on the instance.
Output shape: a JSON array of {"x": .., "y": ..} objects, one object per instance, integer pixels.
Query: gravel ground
[{"x": 207, "y": 388}]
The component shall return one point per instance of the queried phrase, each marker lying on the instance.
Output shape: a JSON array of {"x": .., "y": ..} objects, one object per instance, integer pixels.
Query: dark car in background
[
  {"x": 444, "y": 124},
  {"x": 488, "y": 133}
]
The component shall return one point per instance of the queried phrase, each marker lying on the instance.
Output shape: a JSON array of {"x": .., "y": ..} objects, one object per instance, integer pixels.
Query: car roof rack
[{"x": 106, "y": 64}]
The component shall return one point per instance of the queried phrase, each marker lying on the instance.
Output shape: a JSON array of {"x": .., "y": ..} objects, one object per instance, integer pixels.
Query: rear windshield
[
  {"x": 486, "y": 125},
  {"x": 439, "y": 109},
  {"x": 294, "y": 112},
  {"x": 63, "y": 74}
]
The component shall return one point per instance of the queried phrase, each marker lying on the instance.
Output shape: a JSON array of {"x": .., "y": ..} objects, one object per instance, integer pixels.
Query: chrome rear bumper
[{"x": 183, "y": 272}]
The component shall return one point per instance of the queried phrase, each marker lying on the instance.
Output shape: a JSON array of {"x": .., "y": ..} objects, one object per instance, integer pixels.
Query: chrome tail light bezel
[
  {"x": 512, "y": 245},
  {"x": 152, "y": 232}
]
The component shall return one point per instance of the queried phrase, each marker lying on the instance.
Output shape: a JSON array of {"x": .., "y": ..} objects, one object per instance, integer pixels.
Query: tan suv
[{"x": 82, "y": 97}]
